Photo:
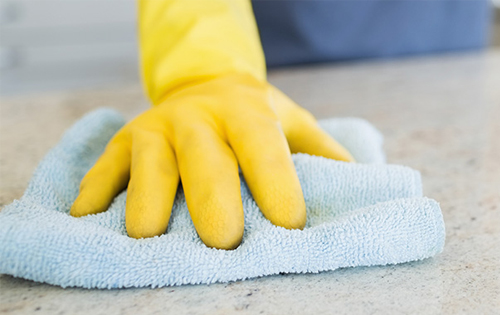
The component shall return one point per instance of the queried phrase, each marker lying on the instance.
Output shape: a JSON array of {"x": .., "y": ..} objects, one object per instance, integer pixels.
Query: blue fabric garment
[
  {"x": 361, "y": 214},
  {"x": 303, "y": 31}
]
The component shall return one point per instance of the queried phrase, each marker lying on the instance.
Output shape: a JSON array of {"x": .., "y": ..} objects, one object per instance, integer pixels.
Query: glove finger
[
  {"x": 209, "y": 175},
  {"x": 313, "y": 140},
  {"x": 108, "y": 177},
  {"x": 153, "y": 184},
  {"x": 266, "y": 163},
  {"x": 303, "y": 133}
]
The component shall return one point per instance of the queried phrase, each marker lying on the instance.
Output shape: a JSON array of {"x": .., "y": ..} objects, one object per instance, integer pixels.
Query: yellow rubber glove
[{"x": 208, "y": 119}]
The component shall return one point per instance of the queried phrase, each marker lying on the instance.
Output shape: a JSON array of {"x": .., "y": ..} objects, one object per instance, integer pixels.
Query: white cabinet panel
[
  {"x": 84, "y": 74},
  {"x": 56, "y": 44},
  {"x": 60, "y": 35},
  {"x": 40, "y": 13}
]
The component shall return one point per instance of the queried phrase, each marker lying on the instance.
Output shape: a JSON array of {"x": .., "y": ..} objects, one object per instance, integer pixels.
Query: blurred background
[{"x": 48, "y": 45}]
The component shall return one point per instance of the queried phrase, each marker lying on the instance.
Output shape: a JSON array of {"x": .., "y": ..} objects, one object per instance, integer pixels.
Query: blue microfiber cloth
[{"x": 362, "y": 214}]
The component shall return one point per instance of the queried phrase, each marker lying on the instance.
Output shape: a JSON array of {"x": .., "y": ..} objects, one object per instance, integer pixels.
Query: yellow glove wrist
[{"x": 185, "y": 41}]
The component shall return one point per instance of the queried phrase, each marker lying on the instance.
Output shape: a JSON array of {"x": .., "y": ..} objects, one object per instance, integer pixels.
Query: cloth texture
[{"x": 358, "y": 214}]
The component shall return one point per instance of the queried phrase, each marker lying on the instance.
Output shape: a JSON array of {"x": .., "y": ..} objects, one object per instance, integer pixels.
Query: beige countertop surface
[{"x": 440, "y": 115}]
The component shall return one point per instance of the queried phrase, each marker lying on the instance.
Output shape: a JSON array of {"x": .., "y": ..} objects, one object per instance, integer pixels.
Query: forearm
[{"x": 185, "y": 41}]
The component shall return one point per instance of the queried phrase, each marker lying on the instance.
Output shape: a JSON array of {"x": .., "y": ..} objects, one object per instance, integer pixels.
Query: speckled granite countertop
[{"x": 440, "y": 115}]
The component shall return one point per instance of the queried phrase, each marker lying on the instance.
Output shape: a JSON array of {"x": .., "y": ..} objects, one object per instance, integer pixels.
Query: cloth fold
[{"x": 362, "y": 214}]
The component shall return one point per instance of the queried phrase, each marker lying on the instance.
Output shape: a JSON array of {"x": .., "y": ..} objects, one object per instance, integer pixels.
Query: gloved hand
[
  {"x": 204, "y": 70},
  {"x": 203, "y": 132}
]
